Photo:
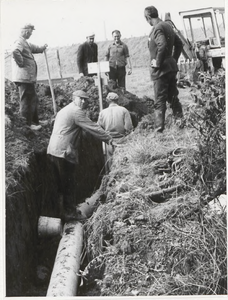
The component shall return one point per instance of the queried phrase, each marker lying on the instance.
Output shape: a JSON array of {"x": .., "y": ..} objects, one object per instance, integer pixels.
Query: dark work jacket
[
  {"x": 86, "y": 54},
  {"x": 165, "y": 47}
]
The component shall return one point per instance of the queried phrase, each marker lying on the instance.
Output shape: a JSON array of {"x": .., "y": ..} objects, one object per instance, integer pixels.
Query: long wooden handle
[{"x": 50, "y": 83}]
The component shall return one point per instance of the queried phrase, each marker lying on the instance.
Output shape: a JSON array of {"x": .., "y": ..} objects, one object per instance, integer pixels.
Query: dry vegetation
[{"x": 156, "y": 233}]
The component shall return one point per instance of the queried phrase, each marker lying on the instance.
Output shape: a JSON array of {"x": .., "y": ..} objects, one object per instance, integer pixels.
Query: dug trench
[{"x": 31, "y": 187}]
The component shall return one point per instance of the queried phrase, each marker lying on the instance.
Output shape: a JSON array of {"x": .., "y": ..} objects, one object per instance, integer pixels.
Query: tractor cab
[{"x": 205, "y": 30}]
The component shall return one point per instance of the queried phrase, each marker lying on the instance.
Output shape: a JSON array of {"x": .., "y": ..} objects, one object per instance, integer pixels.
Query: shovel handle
[{"x": 50, "y": 83}]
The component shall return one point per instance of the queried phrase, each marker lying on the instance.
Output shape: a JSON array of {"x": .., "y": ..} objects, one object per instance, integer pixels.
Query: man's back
[
  {"x": 164, "y": 46},
  {"x": 116, "y": 120}
]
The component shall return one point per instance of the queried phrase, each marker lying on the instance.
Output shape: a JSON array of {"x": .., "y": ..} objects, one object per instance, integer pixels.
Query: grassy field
[{"x": 139, "y": 83}]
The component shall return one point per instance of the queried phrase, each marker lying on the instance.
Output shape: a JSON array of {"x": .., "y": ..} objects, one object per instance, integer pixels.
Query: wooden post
[
  {"x": 98, "y": 68},
  {"x": 50, "y": 83},
  {"x": 64, "y": 277},
  {"x": 59, "y": 64}
]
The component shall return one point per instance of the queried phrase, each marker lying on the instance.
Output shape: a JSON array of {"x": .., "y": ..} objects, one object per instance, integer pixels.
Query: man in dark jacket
[
  {"x": 25, "y": 75},
  {"x": 165, "y": 48},
  {"x": 87, "y": 53}
]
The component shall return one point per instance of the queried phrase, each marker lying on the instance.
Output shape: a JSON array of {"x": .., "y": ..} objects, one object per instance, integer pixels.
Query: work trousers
[
  {"x": 165, "y": 90},
  {"x": 118, "y": 74},
  {"x": 28, "y": 102},
  {"x": 64, "y": 172}
]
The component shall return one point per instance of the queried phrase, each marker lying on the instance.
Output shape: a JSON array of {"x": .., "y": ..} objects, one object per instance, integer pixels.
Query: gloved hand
[{"x": 81, "y": 74}]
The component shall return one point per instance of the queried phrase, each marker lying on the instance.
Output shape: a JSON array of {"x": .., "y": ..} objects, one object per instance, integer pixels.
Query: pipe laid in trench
[{"x": 64, "y": 278}]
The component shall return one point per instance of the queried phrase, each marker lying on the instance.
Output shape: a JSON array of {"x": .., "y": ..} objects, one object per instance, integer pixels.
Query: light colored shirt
[
  {"x": 117, "y": 55},
  {"x": 116, "y": 120},
  {"x": 67, "y": 131}
]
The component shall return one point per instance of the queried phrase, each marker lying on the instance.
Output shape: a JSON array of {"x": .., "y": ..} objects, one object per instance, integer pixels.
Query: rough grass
[
  {"x": 174, "y": 246},
  {"x": 148, "y": 248},
  {"x": 170, "y": 248}
]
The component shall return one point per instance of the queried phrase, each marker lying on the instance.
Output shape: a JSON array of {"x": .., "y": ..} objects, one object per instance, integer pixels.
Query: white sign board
[{"x": 93, "y": 67}]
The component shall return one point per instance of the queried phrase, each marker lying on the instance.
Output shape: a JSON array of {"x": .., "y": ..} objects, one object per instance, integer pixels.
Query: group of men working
[{"x": 114, "y": 122}]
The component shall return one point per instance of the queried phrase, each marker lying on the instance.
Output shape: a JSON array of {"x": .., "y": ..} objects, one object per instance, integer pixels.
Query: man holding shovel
[{"x": 25, "y": 75}]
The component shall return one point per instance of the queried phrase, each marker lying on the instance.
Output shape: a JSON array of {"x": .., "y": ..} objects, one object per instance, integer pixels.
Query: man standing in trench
[
  {"x": 87, "y": 53},
  {"x": 116, "y": 120},
  {"x": 24, "y": 74},
  {"x": 165, "y": 48},
  {"x": 64, "y": 146}
]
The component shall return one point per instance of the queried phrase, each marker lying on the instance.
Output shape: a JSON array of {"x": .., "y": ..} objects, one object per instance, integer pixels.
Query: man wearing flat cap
[
  {"x": 87, "y": 53},
  {"x": 165, "y": 48},
  {"x": 64, "y": 144},
  {"x": 24, "y": 73},
  {"x": 116, "y": 120}
]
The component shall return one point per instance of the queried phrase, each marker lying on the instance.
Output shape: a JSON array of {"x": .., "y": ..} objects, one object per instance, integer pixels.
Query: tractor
[{"x": 203, "y": 39}]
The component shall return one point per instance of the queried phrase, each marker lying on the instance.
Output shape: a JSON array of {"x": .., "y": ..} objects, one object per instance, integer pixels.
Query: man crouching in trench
[
  {"x": 64, "y": 145},
  {"x": 116, "y": 120}
]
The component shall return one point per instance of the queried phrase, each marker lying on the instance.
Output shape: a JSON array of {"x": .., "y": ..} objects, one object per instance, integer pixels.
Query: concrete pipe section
[{"x": 64, "y": 278}]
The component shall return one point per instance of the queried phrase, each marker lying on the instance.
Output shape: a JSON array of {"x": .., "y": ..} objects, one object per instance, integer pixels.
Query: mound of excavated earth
[{"x": 31, "y": 190}]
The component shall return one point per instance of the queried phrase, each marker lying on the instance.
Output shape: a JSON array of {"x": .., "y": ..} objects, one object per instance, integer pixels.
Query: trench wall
[{"x": 32, "y": 193}]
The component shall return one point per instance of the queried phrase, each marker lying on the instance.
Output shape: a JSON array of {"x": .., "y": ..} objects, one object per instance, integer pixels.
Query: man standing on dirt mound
[
  {"x": 24, "y": 73},
  {"x": 118, "y": 57},
  {"x": 165, "y": 48},
  {"x": 64, "y": 146},
  {"x": 116, "y": 120},
  {"x": 87, "y": 53}
]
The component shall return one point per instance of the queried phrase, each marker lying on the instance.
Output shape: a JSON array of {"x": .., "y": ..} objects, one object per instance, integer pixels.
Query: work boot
[
  {"x": 159, "y": 120},
  {"x": 178, "y": 114},
  {"x": 177, "y": 108}
]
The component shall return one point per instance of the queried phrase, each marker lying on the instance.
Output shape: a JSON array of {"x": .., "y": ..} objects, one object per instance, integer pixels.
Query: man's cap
[
  {"x": 152, "y": 11},
  {"x": 28, "y": 26},
  {"x": 112, "y": 96},
  {"x": 81, "y": 94},
  {"x": 91, "y": 34}
]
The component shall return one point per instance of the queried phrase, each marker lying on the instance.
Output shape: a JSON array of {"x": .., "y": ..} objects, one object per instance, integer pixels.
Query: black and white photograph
[{"x": 113, "y": 149}]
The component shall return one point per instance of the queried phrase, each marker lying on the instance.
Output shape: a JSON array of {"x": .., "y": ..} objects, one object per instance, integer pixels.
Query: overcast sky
[{"x": 67, "y": 22}]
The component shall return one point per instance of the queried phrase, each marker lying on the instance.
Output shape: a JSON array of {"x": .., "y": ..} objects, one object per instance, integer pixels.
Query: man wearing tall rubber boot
[{"x": 165, "y": 48}]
